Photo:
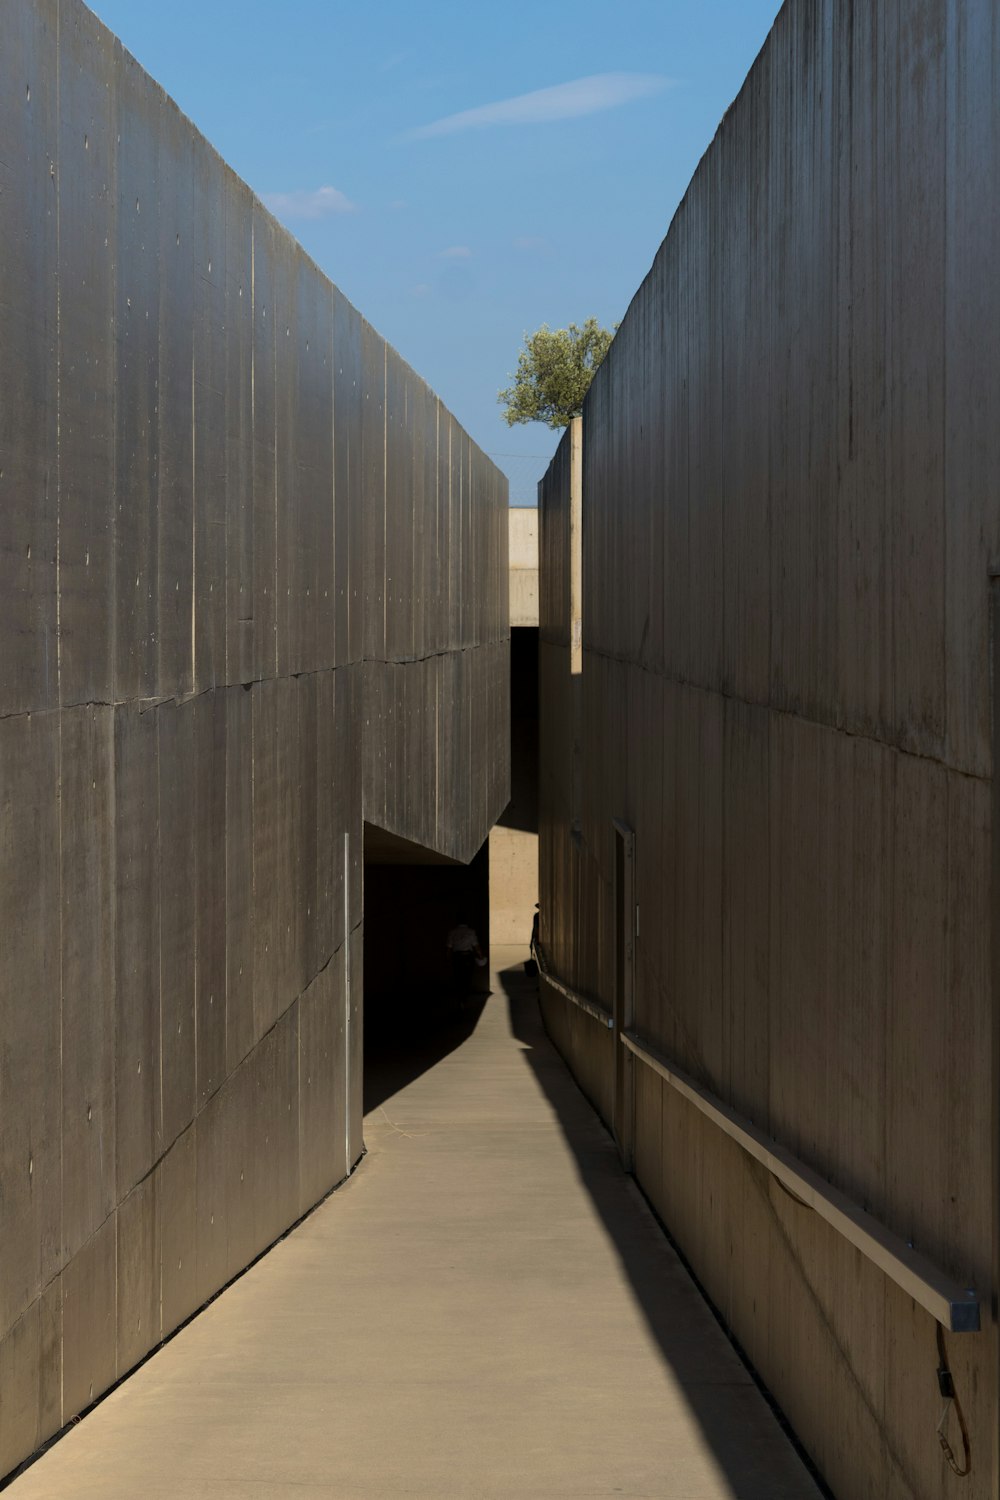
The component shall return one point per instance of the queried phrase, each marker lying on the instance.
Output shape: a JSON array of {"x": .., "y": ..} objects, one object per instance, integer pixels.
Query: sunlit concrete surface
[
  {"x": 522, "y": 562},
  {"x": 486, "y": 1309}
]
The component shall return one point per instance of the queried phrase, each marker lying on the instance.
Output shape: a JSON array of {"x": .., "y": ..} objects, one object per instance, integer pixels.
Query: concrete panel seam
[
  {"x": 763, "y": 704},
  {"x": 108, "y": 1218},
  {"x": 233, "y": 1073},
  {"x": 759, "y": 1177},
  {"x": 956, "y": 1307}
]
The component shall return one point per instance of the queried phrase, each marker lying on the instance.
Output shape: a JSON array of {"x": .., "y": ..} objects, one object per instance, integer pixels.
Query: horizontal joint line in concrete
[
  {"x": 772, "y": 708},
  {"x": 955, "y": 1307},
  {"x": 410, "y": 661}
]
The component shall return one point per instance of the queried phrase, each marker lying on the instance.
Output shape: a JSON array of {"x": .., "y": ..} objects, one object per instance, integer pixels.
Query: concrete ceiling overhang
[{"x": 384, "y": 848}]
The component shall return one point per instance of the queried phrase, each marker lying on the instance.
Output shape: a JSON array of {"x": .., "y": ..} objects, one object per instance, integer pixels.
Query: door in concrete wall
[{"x": 623, "y": 1009}]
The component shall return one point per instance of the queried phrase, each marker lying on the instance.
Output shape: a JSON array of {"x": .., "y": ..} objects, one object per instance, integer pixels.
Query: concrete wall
[
  {"x": 514, "y": 839},
  {"x": 513, "y": 844},
  {"x": 523, "y": 556},
  {"x": 202, "y": 449},
  {"x": 790, "y": 518},
  {"x": 574, "y": 891},
  {"x": 437, "y": 766}
]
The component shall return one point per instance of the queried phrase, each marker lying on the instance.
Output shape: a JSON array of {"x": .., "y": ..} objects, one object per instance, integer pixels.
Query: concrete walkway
[{"x": 486, "y": 1309}]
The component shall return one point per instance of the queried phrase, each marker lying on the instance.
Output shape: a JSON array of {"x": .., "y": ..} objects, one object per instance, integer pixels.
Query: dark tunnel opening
[{"x": 416, "y": 1009}]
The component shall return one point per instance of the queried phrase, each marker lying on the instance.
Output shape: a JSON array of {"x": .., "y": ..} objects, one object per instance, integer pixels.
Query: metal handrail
[
  {"x": 591, "y": 1007},
  {"x": 954, "y": 1306}
]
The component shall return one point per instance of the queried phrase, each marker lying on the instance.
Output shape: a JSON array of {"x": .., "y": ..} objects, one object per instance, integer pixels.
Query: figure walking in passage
[{"x": 466, "y": 956}]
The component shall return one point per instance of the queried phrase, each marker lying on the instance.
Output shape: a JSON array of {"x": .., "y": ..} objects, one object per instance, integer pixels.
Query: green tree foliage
[{"x": 554, "y": 371}]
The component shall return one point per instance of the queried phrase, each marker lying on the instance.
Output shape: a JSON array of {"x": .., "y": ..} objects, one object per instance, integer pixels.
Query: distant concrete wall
[
  {"x": 523, "y": 547},
  {"x": 791, "y": 517},
  {"x": 197, "y": 433},
  {"x": 437, "y": 764},
  {"x": 514, "y": 839}
]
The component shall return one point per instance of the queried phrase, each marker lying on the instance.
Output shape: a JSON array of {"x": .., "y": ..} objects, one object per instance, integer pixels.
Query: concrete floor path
[{"x": 486, "y": 1309}]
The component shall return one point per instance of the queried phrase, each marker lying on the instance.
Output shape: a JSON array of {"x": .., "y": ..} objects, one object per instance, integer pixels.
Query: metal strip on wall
[
  {"x": 955, "y": 1307},
  {"x": 591, "y": 1007}
]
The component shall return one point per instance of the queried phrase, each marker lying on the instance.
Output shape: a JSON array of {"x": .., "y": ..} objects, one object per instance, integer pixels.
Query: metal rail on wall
[
  {"x": 591, "y": 1007},
  {"x": 955, "y": 1307}
]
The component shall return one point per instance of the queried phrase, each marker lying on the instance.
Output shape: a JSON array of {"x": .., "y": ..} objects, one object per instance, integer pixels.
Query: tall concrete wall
[
  {"x": 197, "y": 431},
  {"x": 575, "y": 891},
  {"x": 791, "y": 516},
  {"x": 437, "y": 762}
]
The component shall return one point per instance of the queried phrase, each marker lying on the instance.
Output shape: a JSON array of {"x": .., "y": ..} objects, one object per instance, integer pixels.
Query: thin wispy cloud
[
  {"x": 317, "y": 204},
  {"x": 455, "y": 252},
  {"x": 564, "y": 101},
  {"x": 530, "y": 242}
]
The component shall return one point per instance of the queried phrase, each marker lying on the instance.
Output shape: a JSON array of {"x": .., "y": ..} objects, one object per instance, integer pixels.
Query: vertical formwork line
[
  {"x": 995, "y": 1014},
  {"x": 576, "y": 547},
  {"x": 274, "y": 436},
  {"x": 112, "y": 772},
  {"x": 194, "y": 522},
  {"x": 385, "y": 502},
  {"x": 59, "y": 695},
  {"x": 347, "y": 1000}
]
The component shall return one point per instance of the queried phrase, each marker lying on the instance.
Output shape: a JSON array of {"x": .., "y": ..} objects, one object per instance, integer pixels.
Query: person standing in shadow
[
  {"x": 466, "y": 956},
  {"x": 531, "y": 964}
]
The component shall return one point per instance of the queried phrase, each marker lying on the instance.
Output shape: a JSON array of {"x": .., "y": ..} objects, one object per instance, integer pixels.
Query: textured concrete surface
[
  {"x": 514, "y": 839},
  {"x": 523, "y": 564},
  {"x": 791, "y": 541},
  {"x": 253, "y": 591},
  {"x": 513, "y": 882},
  {"x": 487, "y": 1308}
]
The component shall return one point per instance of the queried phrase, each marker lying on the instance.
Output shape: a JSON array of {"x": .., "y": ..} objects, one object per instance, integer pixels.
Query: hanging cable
[{"x": 946, "y": 1385}]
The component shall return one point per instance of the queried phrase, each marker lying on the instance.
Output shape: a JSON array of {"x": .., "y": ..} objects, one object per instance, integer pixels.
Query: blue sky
[{"x": 396, "y": 141}]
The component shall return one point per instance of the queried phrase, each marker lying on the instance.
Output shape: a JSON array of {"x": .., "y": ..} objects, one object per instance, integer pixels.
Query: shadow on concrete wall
[{"x": 655, "y": 1282}]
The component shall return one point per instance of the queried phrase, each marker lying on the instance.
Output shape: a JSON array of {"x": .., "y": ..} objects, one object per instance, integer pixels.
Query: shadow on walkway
[
  {"x": 400, "y": 1046},
  {"x": 726, "y": 1405}
]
